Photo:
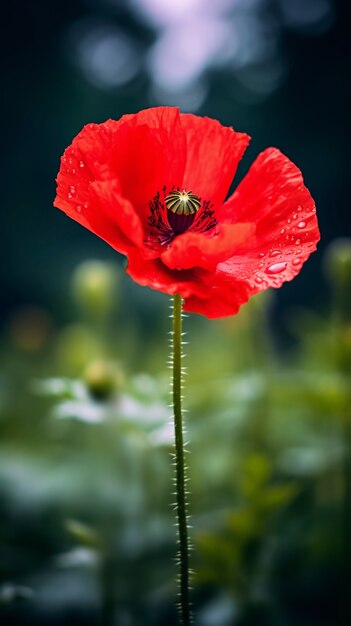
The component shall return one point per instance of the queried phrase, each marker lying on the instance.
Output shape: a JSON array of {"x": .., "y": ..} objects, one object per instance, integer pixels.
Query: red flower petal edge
[{"x": 153, "y": 186}]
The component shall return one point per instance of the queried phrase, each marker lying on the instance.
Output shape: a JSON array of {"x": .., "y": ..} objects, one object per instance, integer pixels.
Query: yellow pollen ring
[{"x": 183, "y": 202}]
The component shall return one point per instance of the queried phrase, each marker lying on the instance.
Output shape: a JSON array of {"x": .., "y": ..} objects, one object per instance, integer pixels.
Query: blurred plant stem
[{"x": 180, "y": 464}]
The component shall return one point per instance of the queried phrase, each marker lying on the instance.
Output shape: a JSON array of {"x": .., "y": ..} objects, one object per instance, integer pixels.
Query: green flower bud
[
  {"x": 94, "y": 287},
  {"x": 103, "y": 378},
  {"x": 337, "y": 261}
]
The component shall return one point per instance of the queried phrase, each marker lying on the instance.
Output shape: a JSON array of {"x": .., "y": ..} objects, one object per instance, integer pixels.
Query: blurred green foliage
[{"x": 87, "y": 527}]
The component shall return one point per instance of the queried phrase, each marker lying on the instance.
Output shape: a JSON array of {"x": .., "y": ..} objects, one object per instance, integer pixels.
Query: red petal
[
  {"x": 108, "y": 215},
  {"x": 206, "y": 251},
  {"x": 87, "y": 158},
  {"x": 273, "y": 197},
  {"x": 154, "y": 274},
  {"x": 213, "y": 154},
  {"x": 117, "y": 210},
  {"x": 84, "y": 161},
  {"x": 208, "y": 293},
  {"x": 149, "y": 154},
  {"x": 225, "y": 296}
]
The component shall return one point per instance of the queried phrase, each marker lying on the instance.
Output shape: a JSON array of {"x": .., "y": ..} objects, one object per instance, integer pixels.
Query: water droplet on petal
[
  {"x": 73, "y": 171},
  {"x": 258, "y": 280},
  {"x": 289, "y": 221},
  {"x": 79, "y": 208},
  {"x": 301, "y": 225},
  {"x": 85, "y": 205},
  {"x": 81, "y": 164},
  {"x": 72, "y": 189},
  {"x": 296, "y": 261},
  {"x": 299, "y": 208},
  {"x": 297, "y": 242},
  {"x": 261, "y": 254},
  {"x": 70, "y": 195},
  {"x": 282, "y": 231},
  {"x": 275, "y": 253},
  {"x": 276, "y": 268},
  {"x": 294, "y": 216}
]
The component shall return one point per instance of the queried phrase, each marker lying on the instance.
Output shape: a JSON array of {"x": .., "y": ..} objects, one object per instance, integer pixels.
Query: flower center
[
  {"x": 175, "y": 213},
  {"x": 182, "y": 207},
  {"x": 183, "y": 202}
]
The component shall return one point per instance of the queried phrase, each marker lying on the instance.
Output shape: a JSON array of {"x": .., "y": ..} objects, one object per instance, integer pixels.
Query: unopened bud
[
  {"x": 103, "y": 378},
  {"x": 94, "y": 287},
  {"x": 337, "y": 261}
]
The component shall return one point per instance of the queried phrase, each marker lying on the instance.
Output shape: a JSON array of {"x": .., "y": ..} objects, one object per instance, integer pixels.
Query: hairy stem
[{"x": 183, "y": 539}]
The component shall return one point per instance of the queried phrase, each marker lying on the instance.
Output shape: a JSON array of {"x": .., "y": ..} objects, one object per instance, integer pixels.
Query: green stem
[{"x": 185, "y": 613}]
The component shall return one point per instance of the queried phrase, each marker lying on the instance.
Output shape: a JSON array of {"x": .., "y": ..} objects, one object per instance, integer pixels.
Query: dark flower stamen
[{"x": 178, "y": 212}]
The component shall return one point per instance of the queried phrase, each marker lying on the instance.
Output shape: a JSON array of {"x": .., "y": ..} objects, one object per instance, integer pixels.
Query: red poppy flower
[{"x": 153, "y": 185}]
